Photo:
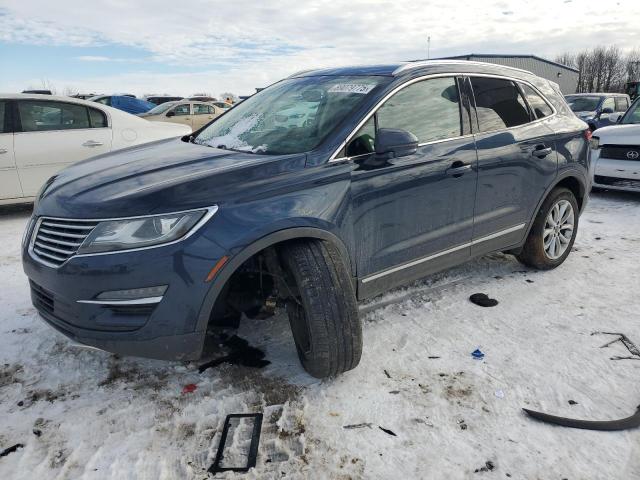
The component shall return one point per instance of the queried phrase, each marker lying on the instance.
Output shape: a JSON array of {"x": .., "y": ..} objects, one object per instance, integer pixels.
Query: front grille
[
  {"x": 617, "y": 182},
  {"x": 621, "y": 152},
  {"x": 56, "y": 240},
  {"x": 42, "y": 299}
]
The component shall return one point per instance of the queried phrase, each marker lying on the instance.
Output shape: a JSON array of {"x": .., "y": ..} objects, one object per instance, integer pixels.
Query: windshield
[
  {"x": 292, "y": 116},
  {"x": 633, "y": 114},
  {"x": 583, "y": 104}
]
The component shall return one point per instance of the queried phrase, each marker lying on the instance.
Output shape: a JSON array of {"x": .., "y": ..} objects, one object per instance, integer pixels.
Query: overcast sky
[{"x": 189, "y": 46}]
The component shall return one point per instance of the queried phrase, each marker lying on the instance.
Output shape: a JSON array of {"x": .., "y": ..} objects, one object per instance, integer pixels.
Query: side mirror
[
  {"x": 171, "y": 114},
  {"x": 394, "y": 142},
  {"x": 607, "y": 111}
]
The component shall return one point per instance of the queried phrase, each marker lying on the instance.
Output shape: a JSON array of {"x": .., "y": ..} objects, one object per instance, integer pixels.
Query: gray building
[{"x": 564, "y": 76}]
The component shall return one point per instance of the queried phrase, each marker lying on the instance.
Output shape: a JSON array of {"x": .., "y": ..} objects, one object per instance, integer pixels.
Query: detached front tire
[
  {"x": 322, "y": 308},
  {"x": 553, "y": 232}
]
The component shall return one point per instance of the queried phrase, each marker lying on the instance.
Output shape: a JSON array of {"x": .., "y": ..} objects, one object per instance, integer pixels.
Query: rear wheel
[
  {"x": 553, "y": 232},
  {"x": 322, "y": 308}
]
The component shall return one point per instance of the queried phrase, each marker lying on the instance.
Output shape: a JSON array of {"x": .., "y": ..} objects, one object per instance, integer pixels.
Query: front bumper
[
  {"x": 168, "y": 330},
  {"x": 616, "y": 174}
]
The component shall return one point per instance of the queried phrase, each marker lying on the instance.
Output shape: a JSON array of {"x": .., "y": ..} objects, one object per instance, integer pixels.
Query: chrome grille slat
[
  {"x": 55, "y": 249},
  {"x": 49, "y": 255},
  {"x": 56, "y": 240},
  {"x": 62, "y": 234},
  {"x": 46, "y": 238},
  {"x": 68, "y": 226}
]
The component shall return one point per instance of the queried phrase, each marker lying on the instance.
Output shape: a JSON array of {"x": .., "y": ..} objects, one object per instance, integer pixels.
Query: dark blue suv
[{"x": 328, "y": 187}]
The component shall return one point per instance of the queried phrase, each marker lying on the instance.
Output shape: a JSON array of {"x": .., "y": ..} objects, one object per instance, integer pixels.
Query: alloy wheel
[{"x": 558, "y": 229}]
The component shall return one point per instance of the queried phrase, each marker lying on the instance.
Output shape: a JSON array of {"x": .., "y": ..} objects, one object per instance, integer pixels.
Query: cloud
[
  {"x": 247, "y": 43},
  {"x": 93, "y": 58}
]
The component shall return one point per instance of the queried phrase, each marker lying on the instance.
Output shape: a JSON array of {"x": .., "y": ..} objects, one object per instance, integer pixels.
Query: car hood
[
  {"x": 163, "y": 176},
  {"x": 619, "y": 135}
]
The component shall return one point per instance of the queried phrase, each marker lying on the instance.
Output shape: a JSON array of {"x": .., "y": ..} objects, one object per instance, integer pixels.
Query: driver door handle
[
  {"x": 92, "y": 143},
  {"x": 458, "y": 169}
]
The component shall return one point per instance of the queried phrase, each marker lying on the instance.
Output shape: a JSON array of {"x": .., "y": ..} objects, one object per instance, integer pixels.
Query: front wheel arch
[{"x": 270, "y": 240}]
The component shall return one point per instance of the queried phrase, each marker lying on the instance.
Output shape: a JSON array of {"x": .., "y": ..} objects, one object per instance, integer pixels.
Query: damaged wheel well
[{"x": 255, "y": 282}]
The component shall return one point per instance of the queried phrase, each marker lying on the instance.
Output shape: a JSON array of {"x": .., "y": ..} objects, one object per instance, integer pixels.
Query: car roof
[
  {"x": 404, "y": 68},
  {"x": 36, "y": 96}
]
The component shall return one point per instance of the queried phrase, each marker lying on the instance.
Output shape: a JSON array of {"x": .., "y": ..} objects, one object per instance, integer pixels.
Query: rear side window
[
  {"x": 200, "y": 109},
  {"x": 621, "y": 104},
  {"x": 4, "y": 128},
  {"x": 429, "y": 109},
  {"x": 499, "y": 104},
  {"x": 540, "y": 108},
  {"x": 182, "y": 109},
  {"x": 609, "y": 103},
  {"x": 98, "y": 119},
  {"x": 38, "y": 116}
]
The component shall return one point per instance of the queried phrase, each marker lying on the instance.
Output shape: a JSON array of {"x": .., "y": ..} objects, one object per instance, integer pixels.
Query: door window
[
  {"x": 621, "y": 104},
  {"x": 537, "y": 103},
  {"x": 37, "y": 116},
  {"x": 201, "y": 109},
  {"x": 429, "y": 109},
  {"x": 98, "y": 118},
  {"x": 182, "y": 109},
  {"x": 609, "y": 103},
  {"x": 499, "y": 104}
]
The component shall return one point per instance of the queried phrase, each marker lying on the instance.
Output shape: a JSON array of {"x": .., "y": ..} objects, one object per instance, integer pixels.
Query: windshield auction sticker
[{"x": 351, "y": 88}]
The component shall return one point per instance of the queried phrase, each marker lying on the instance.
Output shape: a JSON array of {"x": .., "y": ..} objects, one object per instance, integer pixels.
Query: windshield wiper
[{"x": 224, "y": 147}]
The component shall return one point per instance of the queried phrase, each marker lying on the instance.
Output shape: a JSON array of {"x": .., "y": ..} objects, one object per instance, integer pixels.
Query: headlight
[
  {"x": 594, "y": 143},
  {"x": 127, "y": 234}
]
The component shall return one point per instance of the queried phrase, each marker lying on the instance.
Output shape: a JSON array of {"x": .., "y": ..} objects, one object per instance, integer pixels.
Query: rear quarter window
[
  {"x": 540, "y": 107},
  {"x": 98, "y": 119},
  {"x": 499, "y": 104}
]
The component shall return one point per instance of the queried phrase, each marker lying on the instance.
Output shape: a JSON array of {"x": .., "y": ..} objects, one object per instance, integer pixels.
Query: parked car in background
[
  {"x": 193, "y": 114},
  {"x": 401, "y": 171},
  {"x": 39, "y": 135},
  {"x": 615, "y": 153},
  {"x": 596, "y": 108},
  {"x": 160, "y": 99},
  {"x": 202, "y": 98},
  {"x": 84, "y": 96},
  {"x": 125, "y": 103},
  {"x": 38, "y": 92},
  {"x": 222, "y": 105}
]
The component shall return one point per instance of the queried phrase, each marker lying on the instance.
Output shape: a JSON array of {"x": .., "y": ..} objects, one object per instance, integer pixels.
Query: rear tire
[
  {"x": 553, "y": 232},
  {"x": 323, "y": 313}
]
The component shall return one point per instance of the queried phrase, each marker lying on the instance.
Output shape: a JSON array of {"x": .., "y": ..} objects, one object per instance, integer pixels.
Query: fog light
[{"x": 133, "y": 293}]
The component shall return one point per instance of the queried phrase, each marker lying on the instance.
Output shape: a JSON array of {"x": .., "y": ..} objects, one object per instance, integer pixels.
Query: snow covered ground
[{"x": 88, "y": 414}]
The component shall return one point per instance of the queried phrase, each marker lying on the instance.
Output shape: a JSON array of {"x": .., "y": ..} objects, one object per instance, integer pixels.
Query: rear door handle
[
  {"x": 92, "y": 143},
  {"x": 3, "y": 150},
  {"x": 541, "y": 151},
  {"x": 458, "y": 169}
]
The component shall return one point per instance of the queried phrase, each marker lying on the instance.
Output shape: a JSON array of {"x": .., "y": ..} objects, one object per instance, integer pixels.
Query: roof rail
[
  {"x": 424, "y": 63},
  {"x": 300, "y": 72}
]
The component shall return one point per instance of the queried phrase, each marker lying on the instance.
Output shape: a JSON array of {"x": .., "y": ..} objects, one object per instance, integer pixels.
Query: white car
[
  {"x": 615, "y": 153},
  {"x": 41, "y": 134}
]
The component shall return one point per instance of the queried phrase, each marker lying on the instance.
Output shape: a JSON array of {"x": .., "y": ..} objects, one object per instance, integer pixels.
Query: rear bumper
[{"x": 169, "y": 330}]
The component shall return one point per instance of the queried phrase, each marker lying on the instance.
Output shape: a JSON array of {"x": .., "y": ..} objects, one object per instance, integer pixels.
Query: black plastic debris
[
  {"x": 357, "y": 425},
  {"x": 387, "y": 374},
  {"x": 12, "y": 449},
  {"x": 483, "y": 300},
  {"x": 241, "y": 353},
  {"x": 572, "y": 402},
  {"x": 253, "y": 447},
  {"x": 387, "y": 431},
  {"x": 622, "y": 338},
  {"x": 488, "y": 467},
  {"x": 607, "y": 426}
]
